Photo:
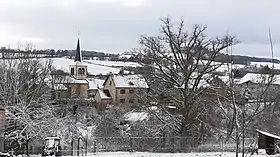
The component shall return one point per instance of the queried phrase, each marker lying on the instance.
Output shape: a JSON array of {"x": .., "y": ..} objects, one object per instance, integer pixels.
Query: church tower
[{"x": 78, "y": 70}]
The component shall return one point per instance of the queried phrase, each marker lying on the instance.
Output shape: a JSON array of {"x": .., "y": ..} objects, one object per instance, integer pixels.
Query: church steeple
[
  {"x": 78, "y": 70},
  {"x": 78, "y": 56}
]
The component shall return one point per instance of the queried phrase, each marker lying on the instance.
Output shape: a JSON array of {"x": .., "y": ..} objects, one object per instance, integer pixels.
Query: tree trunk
[
  {"x": 185, "y": 134},
  {"x": 236, "y": 135}
]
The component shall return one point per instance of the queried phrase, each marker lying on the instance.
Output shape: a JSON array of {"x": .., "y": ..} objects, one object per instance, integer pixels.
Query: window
[
  {"x": 84, "y": 71},
  {"x": 122, "y": 91},
  {"x": 131, "y": 101},
  {"x": 122, "y": 100},
  {"x": 72, "y": 71},
  {"x": 131, "y": 91},
  {"x": 110, "y": 83},
  {"x": 81, "y": 71}
]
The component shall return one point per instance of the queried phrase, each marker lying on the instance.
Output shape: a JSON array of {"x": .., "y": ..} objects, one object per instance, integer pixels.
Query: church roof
[
  {"x": 78, "y": 56},
  {"x": 94, "y": 83},
  {"x": 69, "y": 79},
  {"x": 129, "y": 81}
]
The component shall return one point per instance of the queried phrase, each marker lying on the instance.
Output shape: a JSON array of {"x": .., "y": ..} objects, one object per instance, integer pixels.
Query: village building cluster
[
  {"x": 113, "y": 89},
  {"x": 128, "y": 89}
]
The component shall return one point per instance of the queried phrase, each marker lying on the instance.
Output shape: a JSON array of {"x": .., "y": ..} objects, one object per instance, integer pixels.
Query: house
[
  {"x": 208, "y": 85},
  {"x": 256, "y": 87},
  {"x": 122, "y": 89},
  {"x": 102, "y": 99}
]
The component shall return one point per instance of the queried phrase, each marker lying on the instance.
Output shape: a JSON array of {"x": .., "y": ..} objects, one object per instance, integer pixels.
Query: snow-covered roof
[
  {"x": 103, "y": 95},
  {"x": 130, "y": 81},
  {"x": 226, "y": 80},
  {"x": 171, "y": 107},
  {"x": 127, "y": 55},
  {"x": 73, "y": 80},
  {"x": 95, "y": 83},
  {"x": 260, "y": 78},
  {"x": 59, "y": 87},
  {"x": 136, "y": 116},
  {"x": 202, "y": 83},
  {"x": 268, "y": 134},
  {"x": 54, "y": 137}
]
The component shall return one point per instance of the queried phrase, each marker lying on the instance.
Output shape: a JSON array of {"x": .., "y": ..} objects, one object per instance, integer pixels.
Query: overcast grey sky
[{"x": 116, "y": 25}]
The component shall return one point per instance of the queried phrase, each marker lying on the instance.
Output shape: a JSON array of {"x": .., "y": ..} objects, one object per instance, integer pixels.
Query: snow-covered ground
[
  {"x": 147, "y": 154},
  {"x": 224, "y": 67},
  {"x": 143, "y": 154},
  {"x": 193, "y": 154},
  {"x": 258, "y": 64}
]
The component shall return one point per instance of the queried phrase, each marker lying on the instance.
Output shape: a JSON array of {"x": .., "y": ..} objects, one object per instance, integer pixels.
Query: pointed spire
[{"x": 78, "y": 56}]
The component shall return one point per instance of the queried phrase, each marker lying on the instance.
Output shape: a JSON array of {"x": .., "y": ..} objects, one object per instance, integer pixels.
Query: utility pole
[{"x": 271, "y": 48}]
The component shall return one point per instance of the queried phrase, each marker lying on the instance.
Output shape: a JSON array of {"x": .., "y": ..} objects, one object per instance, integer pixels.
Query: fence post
[
  {"x": 222, "y": 145},
  {"x": 163, "y": 142},
  {"x": 86, "y": 145},
  {"x": 173, "y": 141},
  {"x": 72, "y": 147},
  {"x": 130, "y": 143},
  {"x": 94, "y": 146}
]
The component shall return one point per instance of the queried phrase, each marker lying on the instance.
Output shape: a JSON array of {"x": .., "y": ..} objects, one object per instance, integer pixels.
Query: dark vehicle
[{"x": 52, "y": 147}]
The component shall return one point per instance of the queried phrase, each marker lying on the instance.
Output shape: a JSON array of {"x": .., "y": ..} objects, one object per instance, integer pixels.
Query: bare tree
[
  {"x": 25, "y": 96},
  {"x": 249, "y": 105},
  {"x": 179, "y": 63}
]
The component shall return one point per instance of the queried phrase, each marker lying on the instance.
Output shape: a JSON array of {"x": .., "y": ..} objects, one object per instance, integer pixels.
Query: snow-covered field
[
  {"x": 258, "y": 64},
  {"x": 97, "y": 67},
  {"x": 63, "y": 64},
  {"x": 114, "y": 63}
]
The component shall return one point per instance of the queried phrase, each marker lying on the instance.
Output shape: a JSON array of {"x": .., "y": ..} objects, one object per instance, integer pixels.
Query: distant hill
[{"x": 237, "y": 59}]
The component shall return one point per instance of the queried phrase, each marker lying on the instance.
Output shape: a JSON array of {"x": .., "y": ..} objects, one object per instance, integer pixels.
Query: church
[{"x": 76, "y": 87}]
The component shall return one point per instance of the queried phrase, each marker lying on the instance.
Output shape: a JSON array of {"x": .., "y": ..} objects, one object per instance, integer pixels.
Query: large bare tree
[{"x": 178, "y": 65}]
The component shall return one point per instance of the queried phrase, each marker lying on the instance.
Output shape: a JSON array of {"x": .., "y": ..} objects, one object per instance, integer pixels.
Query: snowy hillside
[
  {"x": 63, "y": 64},
  {"x": 113, "y": 63}
]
